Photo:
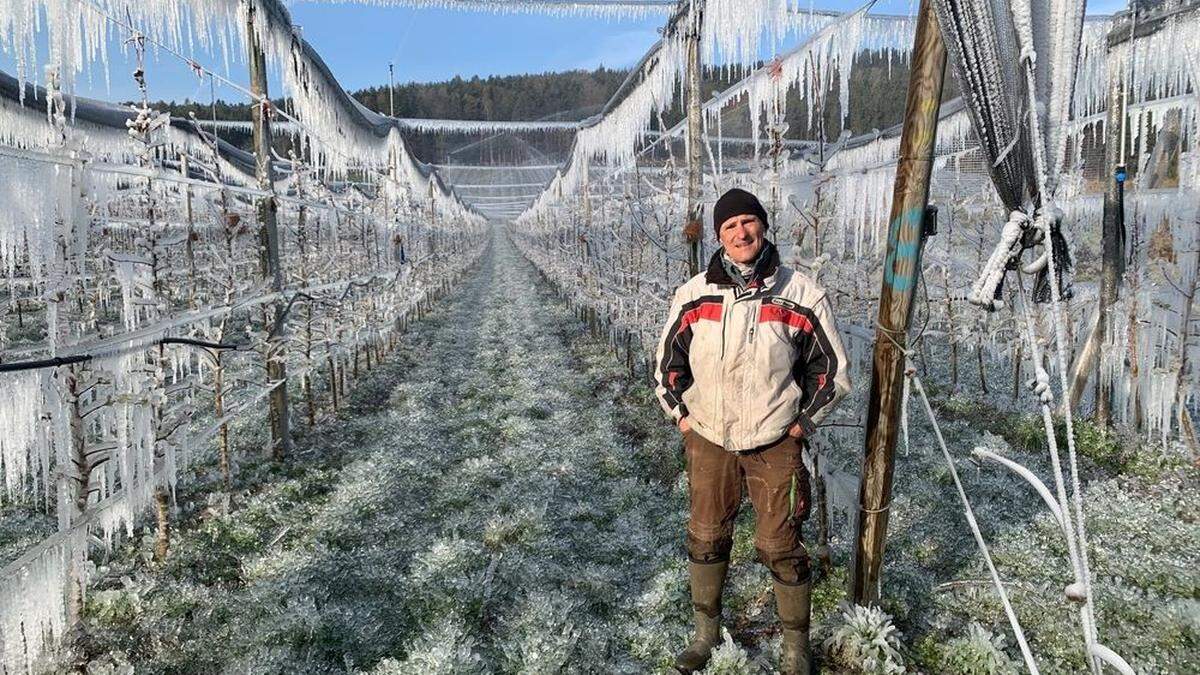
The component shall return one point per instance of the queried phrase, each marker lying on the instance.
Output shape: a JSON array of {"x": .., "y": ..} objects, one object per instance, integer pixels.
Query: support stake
[
  {"x": 693, "y": 230},
  {"x": 901, "y": 267}
]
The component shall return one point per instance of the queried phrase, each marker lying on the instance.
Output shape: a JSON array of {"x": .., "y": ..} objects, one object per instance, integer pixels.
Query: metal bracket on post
[{"x": 929, "y": 222}]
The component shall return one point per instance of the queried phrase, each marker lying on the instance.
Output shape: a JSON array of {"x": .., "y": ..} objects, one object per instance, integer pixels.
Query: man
[{"x": 750, "y": 361}]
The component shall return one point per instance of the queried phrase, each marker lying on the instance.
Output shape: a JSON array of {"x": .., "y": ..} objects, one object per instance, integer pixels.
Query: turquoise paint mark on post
[{"x": 899, "y": 251}]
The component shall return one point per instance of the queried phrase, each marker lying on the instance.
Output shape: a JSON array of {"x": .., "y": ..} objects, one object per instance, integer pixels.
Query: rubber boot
[
  {"x": 707, "y": 582},
  {"x": 792, "y": 603}
]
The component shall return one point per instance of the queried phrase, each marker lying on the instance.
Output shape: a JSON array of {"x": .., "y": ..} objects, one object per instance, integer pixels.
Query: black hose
[
  {"x": 43, "y": 363},
  {"x": 18, "y": 366}
]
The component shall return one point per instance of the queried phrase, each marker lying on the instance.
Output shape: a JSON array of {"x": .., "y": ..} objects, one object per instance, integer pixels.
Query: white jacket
[{"x": 744, "y": 365}]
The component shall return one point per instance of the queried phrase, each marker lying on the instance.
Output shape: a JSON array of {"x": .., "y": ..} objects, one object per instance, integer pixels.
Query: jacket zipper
[
  {"x": 751, "y": 318},
  {"x": 727, "y": 309}
]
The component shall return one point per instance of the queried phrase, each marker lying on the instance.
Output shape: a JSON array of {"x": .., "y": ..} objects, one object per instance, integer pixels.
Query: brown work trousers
[{"x": 777, "y": 480}]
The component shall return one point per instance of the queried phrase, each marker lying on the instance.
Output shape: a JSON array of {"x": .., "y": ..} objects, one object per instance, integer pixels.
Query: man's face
[{"x": 742, "y": 237}]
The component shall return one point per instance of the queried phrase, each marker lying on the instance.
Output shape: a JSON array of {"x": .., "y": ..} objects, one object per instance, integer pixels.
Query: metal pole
[
  {"x": 694, "y": 228},
  {"x": 906, "y": 236},
  {"x": 269, "y": 248},
  {"x": 391, "y": 90}
]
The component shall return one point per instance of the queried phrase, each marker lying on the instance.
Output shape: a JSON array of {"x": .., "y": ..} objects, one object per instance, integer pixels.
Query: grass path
[{"x": 494, "y": 511}]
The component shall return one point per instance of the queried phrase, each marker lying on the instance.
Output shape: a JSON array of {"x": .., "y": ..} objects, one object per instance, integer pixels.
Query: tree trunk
[
  {"x": 309, "y": 399},
  {"x": 1187, "y": 429},
  {"x": 1135, "y": 366},
  {"x": 162, "y": 512},
  {"x": 189, "y": 245},
  {"x": 1016, "y": 368},
  {"x": 951, "y": 329},
  {"x": 1085, "y": 363},
  {"x": 219, "y": 412},
  {"x": 271, "y": 264},
  {"x": 1162, "y": 171},
  {"x": 75, "y": 480},
  {"x": 333, "y": 381}
]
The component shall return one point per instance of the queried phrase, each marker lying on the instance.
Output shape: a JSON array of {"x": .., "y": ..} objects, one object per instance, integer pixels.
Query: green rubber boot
[
  {"x": 792, "y": 604},
  {"x": 707, "y": 582}
]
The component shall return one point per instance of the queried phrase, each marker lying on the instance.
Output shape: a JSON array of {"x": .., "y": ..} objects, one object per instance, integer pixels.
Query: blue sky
[{"x": 358, "y": 41}]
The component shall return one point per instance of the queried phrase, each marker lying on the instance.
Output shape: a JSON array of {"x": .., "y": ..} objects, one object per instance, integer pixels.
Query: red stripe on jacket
[
  {"x": 792, "y": 318},
  {"x": 708, "y": 311}
]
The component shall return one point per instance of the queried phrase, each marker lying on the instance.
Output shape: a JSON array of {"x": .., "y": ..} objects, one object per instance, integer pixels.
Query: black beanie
[{"x": 737, "y": 202}]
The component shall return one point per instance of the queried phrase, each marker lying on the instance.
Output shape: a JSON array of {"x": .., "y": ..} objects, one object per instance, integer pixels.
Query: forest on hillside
[{"x": 877, "y": 92}]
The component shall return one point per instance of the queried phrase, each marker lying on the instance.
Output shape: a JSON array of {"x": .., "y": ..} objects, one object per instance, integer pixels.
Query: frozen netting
[
  {"x": 156, "y": 230},
  {"x": 611, "y": 235},
  {"x": 609, "y": 9},
  {"x": 130, "y": 249}
]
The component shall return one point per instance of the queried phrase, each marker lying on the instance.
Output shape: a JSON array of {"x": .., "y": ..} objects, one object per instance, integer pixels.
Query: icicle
[
  {"x": 132, "y": 274},
  {"x": 733, "y": 29},
  {"x": 28, "y": 191},
  {"x": 33, "y": 615},
  {"x": 20, "y": 418}
]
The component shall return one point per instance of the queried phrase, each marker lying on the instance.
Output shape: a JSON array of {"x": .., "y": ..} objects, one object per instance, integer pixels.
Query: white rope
[
  {"x": 1080, "y": 532},
  {"x": 970, "y": 514},
  {"x": 911, "y": 376},
  {"x": 1077, "y": 537},
  {"x": 904, "y": 396},
  {"x": 1041, "y": 383}
]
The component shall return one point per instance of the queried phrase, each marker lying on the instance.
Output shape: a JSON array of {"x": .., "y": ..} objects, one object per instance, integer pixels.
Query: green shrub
[
  {"x": 113, "y": 608},
  {"x": 978, "y": 652},
  {"x": 864, "y": 641},
  {"x": 728, "y": 658}
]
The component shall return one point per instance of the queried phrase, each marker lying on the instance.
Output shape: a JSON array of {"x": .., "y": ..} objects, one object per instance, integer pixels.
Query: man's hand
[
  {"x": 684, "y": 427},
  {"x": 796, "y": 431}
]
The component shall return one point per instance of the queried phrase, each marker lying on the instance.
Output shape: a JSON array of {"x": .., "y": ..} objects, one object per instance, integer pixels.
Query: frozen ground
[
  {"x": 499, "y": 496},
  {"x": 484, "y": 505}
]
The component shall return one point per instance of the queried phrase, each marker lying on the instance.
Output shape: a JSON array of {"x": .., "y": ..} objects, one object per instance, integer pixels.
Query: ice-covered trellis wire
[{"x": 133, "y": 241}]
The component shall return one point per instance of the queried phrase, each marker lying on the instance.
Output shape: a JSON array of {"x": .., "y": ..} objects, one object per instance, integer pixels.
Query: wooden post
[
  {"x": 1112, "y": 261},
  {"x": 694, "y": 228},
  {"x": 900, "y": 272},
  {"x": 269, "y": 254}
]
